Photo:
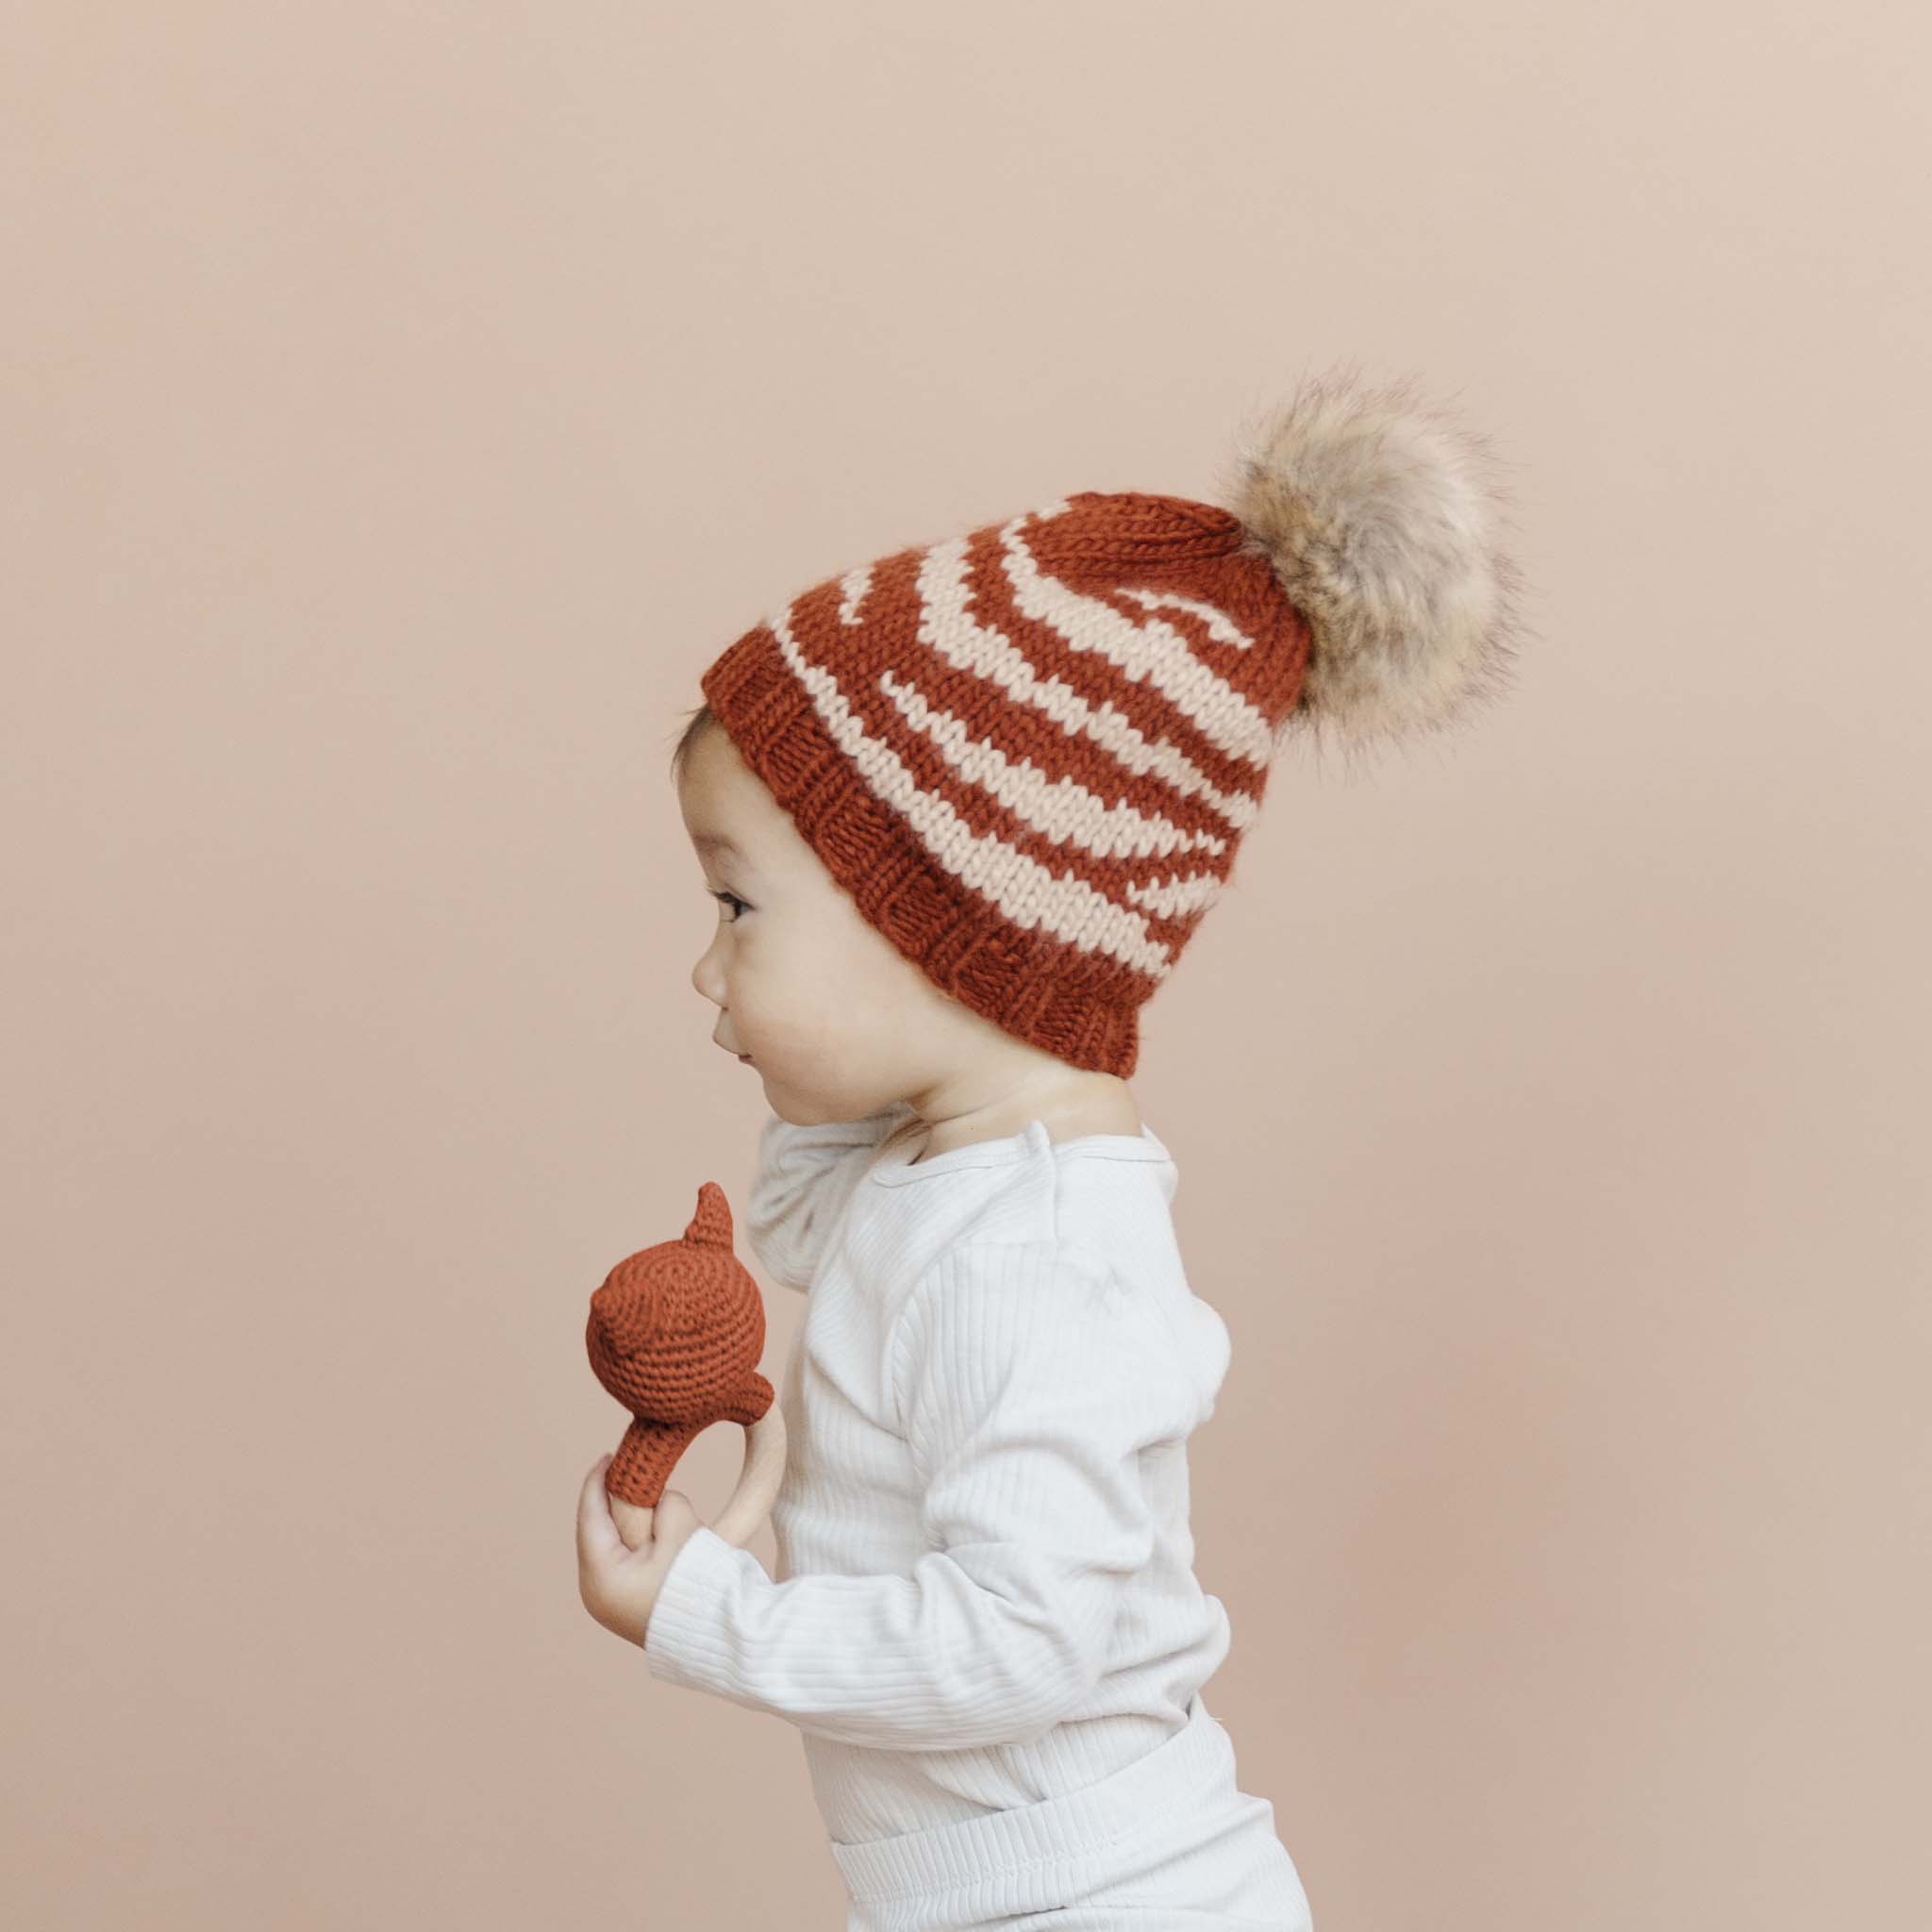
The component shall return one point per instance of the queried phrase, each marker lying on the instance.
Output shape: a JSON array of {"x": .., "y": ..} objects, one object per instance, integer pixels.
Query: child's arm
[
  {"x": 805, "y": 1177},
  {"x": 1028, "y": 1382}
]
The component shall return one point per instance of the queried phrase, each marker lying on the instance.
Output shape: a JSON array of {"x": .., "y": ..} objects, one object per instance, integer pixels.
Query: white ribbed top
[{"x": 984, "y": 1593}]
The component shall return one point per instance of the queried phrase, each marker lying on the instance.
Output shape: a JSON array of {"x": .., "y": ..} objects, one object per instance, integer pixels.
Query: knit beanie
[{"x": 1030, "y": 753}]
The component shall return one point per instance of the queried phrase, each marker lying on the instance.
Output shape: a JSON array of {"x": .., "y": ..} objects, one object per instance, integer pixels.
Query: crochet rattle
[{"x": 675, "y": 1333}]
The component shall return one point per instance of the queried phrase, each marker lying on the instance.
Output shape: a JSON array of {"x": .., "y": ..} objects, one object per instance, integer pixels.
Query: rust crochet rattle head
[{"x": 675, "y": 1333}]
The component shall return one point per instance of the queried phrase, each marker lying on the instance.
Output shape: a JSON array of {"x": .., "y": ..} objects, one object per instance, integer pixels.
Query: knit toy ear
[{"x": 1379, "y": 513}]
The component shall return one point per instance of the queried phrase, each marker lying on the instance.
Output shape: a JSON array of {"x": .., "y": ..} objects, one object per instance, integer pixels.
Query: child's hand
[{"x": 620, "y": 1584}]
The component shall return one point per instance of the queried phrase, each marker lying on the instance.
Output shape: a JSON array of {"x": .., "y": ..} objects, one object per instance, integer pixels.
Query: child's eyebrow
[{"x": 716, "y": 842}]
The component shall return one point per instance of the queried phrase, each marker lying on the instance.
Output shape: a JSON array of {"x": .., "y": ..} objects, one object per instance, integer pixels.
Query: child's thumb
[{"x": 675, "y": 1512}]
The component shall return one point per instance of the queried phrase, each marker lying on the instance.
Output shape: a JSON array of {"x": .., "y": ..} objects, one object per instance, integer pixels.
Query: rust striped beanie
[{"x": 1030, "y": 753}]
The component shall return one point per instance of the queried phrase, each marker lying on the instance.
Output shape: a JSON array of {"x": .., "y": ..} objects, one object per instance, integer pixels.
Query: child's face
[{"x": 837, "y": 1021}]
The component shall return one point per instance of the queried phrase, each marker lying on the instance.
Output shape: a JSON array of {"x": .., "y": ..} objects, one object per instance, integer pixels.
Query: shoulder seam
[{"x": 1083, "y": 1254}]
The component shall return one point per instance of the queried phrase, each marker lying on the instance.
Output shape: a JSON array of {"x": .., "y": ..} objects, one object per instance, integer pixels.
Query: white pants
[{"x": 1166, "y": 1844}]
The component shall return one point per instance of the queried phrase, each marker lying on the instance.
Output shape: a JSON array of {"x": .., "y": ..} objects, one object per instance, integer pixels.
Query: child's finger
[
  {"x": 675, "y": 1514},
  {"x": 596, "y": 1529}
]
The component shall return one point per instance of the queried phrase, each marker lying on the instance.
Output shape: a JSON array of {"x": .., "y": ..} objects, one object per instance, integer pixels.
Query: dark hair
[{"x": 700, "y": 722}]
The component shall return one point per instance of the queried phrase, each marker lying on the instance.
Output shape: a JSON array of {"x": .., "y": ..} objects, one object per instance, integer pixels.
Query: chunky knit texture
[
  {"x": 675, "y": 1333},
  {"x": 984, "y": 1591},
  {"x": 1029, "y": 754}
]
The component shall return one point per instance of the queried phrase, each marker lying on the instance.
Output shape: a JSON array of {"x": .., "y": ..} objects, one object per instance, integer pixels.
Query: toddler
[{"x": 961, "y": 808}]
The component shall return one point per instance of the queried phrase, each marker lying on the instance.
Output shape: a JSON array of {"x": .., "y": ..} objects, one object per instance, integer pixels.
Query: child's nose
[{"x": 705, "y": 977}]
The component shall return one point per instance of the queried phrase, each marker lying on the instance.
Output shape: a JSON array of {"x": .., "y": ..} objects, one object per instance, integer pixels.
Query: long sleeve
[
  {"x": 1029, "y": 1380},
  {"x": 805, "y": 1177}
]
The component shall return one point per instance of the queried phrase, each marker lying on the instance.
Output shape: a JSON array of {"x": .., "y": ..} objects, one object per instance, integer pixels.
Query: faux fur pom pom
[{"x": 1380, "y": 515}]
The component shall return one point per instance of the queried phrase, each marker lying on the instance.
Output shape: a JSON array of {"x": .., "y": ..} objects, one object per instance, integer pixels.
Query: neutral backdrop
[{"x": 403, "y": 405}]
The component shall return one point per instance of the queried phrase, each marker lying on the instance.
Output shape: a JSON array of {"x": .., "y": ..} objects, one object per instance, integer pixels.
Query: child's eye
[{"x": 733, "y": 900}]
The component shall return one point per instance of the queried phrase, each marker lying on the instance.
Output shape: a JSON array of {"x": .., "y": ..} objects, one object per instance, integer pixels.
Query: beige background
[{"x": 404, "y": 403}]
